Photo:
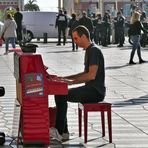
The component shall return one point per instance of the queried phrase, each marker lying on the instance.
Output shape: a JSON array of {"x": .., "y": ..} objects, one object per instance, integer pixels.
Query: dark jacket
[
  {"x": 135, "y": 29},
  {"x": 119, "y": 21},
  {"x": 73, "y": 23},
  {"x": 61, "y": 21},
  {"x": 87, "y": 22},
  {"x": 18, "y": 17}
]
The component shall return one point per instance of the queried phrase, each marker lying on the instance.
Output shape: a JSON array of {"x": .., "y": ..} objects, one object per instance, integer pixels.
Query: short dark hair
[
  {"x": 73, "y": 15},
  {"x": 17, "y": 9},
  {"x": 82, "y": 30},
  {"x": 119, "y": 12}
]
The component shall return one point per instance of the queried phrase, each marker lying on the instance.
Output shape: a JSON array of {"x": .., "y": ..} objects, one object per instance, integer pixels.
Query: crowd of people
[{"x": 104, "y": 30}]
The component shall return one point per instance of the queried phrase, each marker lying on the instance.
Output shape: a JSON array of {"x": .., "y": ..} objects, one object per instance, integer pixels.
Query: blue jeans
[
  {"x": 10, "y": 40},
  {"x": 136, "y": 45},
  {"x": 83, "y": 94}
]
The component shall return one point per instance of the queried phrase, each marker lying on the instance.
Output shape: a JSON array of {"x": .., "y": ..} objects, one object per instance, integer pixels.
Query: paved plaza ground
[{"x": 127, "y": 90}]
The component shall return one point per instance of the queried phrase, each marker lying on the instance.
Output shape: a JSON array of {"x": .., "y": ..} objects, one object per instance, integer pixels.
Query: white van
[{"x": 37, "y": 23}]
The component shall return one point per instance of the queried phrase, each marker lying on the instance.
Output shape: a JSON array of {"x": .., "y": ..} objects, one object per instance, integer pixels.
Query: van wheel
[{"x": 29, "y": 36}]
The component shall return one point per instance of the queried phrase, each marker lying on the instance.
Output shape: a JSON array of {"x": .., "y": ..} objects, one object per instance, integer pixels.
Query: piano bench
[{"x": 95, "y": 107}]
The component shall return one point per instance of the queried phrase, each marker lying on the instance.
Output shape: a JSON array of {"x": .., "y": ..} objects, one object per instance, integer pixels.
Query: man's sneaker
[
  {"x": 65, "y": 136},
  {"x": 6, "y": 53},
  {"x": 55, "y": 134}
]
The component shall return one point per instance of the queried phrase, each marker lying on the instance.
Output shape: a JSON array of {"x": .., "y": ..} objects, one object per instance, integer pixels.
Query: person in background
[
  {"x": 135, "y": 32},
  {"x": 97, "y": 28},
  {"x": 109, "y": 29},
  {"x": 68, "y": 19},
  {"x": 93, "y": 77},
  {"x": 87, "y": 22},
  {"x": 119, "y": 28},
  {"x": 143, "y": 17},
  {"x": 106, "y": 29},
  {"x": 9, "y": 32},
  {"x": 18, "y": 17},
  {"x": 144, "y": 21},
  {"x": 73, "y": 23},
  {"x": 61, "y": 23}
]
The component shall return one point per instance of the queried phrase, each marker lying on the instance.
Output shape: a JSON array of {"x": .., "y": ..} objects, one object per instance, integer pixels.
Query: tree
[{"x": 30, "y": 6}]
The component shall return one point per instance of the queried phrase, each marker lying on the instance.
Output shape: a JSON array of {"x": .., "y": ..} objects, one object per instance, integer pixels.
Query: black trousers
[
  {"x": 73, "y": 43},
  {"x": 19, "y": 34},
  {"x": 62, "y": 31},
  {"x": 82, "y": 94},
  {"x": 120, "y": 35}
]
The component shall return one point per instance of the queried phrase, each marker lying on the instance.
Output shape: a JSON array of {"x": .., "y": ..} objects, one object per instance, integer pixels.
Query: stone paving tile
[{"x": 126, "y": 89}]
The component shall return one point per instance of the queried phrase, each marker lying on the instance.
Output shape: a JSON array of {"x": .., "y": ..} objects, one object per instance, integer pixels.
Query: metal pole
[
  {"x": 116, "y": 5},
  {"x": 59, "y": 4},
  {"x": 101, "y": 6}
]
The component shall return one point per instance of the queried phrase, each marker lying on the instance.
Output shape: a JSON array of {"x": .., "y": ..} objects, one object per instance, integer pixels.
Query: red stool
[{"x": 95, "y": 107}]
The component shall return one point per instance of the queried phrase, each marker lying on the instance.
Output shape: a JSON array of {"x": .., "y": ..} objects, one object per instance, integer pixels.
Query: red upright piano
[{"x": 33, "y": 85}]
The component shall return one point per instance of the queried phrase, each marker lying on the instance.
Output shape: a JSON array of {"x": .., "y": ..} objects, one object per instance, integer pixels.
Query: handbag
[
  {"x": 2, "y": 37},
  {"x": 1, "y": 41}
]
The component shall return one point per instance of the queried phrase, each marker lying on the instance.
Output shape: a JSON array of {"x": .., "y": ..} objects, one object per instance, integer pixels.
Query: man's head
[
  {"x": 17, "y": 9},
  {"x": 81, "y": 36},
  {"x": 84, "y": 13},
  {"x": 60, "y": 11},
  {"x": 119, "y": 13}
]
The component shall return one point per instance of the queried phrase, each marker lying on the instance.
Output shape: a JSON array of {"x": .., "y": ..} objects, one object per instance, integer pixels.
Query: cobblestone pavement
[{"x": 127, "y": 90}]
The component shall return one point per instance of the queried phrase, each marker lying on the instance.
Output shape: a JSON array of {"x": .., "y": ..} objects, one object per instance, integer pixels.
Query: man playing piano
[{"x": 93, "y": 77}]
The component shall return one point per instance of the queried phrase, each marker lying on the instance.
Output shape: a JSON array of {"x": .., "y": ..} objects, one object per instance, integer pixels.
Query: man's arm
[{"x": 82, "y": 77}]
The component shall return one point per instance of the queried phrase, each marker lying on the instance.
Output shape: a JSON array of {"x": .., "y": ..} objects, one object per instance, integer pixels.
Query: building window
[
  {"x": 127, "y": 10},
  {"x": 145, "y": 8}
]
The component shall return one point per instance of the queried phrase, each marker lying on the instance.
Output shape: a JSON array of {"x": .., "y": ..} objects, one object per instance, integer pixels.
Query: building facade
[
  {"x": 12, "y": 4},
  {"x": 9, "y": 5},
  {"x": 100, "y": 6}
]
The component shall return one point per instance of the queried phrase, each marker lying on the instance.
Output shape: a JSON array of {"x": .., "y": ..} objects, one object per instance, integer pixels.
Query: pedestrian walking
[
  {"x": 135, "y": 33},
  {"x": 9, "y": 32}
]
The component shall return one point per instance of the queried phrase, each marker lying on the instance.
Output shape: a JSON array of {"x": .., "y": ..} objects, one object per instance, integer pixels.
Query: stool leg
[
  {"x": 20, "y": 126},
  {"x": 85, "y": 126},
  {"x": 109, "y": 125},
  {"x": 103, "y": 123},
  {"x": 80, "y": 121}
]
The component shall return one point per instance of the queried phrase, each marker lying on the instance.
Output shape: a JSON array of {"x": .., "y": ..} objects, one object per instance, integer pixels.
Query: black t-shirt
[{"x": 94, "y": 56}]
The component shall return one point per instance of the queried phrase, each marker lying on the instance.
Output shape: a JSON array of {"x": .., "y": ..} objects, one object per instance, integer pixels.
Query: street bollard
[{"x": 45, "y": 37}]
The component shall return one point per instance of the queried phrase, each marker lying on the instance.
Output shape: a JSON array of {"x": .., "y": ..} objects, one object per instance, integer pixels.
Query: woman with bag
[
  {"x": 135, "y": 33},
  {"x": 9, "y": 32}
]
